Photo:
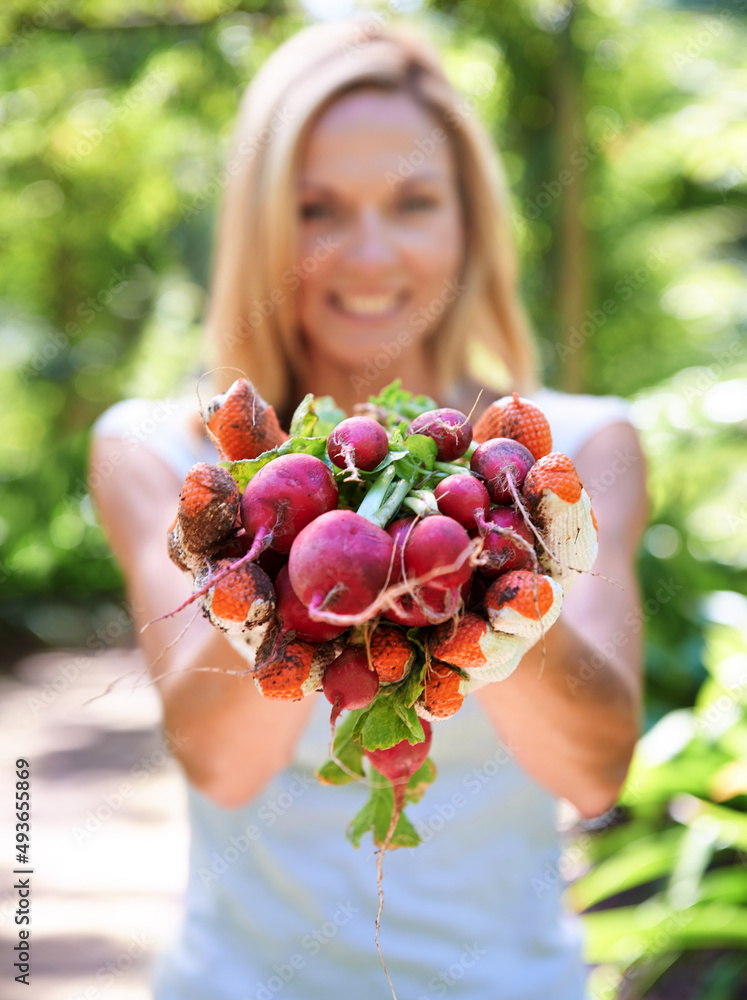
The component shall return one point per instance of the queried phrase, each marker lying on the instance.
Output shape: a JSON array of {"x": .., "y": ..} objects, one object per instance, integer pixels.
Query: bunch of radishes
[{"x": 394, "y": 563}]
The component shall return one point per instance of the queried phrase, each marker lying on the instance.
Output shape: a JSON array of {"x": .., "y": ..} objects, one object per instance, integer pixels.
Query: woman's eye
[
  {"x": 416, "y": 202},
  {"x": 315, "y": 210}
]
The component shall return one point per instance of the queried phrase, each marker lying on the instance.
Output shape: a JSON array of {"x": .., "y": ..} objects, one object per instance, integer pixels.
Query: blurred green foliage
[
  {"x": 670, "y": 878},
  {"x": 623, "y": 130}
]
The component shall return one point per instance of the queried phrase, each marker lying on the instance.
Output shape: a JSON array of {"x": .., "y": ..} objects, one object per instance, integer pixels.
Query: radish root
[
  {"x": 388, "y": 594},
  {"x": 399, "y": 791}
]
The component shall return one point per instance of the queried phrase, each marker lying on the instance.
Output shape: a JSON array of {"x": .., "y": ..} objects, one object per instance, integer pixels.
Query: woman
[{"x": 364, "y": 237}]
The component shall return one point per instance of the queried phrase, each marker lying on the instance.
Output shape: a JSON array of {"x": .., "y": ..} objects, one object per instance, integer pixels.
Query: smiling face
[{"x": 378, "y": 181}]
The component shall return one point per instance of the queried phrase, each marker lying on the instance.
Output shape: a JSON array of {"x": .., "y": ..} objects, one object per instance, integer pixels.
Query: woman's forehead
[{"x": 370, "y": 132}]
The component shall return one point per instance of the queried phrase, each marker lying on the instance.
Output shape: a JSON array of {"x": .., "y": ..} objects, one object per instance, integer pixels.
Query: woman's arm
[
  {"x": 574, "y": 728},
  {"x": 231, "y": 741}
]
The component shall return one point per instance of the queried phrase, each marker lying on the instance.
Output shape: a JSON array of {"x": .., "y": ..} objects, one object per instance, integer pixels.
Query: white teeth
[{"x": 368, "y": 305}]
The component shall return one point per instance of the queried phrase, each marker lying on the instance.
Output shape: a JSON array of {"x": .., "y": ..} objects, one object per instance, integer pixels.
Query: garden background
[{"x": 623, "y": 128}]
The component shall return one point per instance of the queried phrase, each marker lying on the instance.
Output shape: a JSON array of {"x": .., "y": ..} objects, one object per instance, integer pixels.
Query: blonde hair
[{"x": 251, "y": 320}]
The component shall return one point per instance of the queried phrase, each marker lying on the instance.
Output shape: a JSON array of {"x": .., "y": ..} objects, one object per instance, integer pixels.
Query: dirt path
[{"x": 109, "y": 834}]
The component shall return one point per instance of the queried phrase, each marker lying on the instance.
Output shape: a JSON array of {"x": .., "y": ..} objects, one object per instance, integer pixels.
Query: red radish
[
  {"x": 272, "y": 562},
  {"x": 502, "y": 463},
  {"x": 435, "y": 543},
  {"x": 398, "y": 531},
  {"x": 293, "y": 616},
  {"x": 398, "y": 764},
  {"x": 427, "y": 606},
  {"x": 450, "y": 429},
  {"x": 460, "y": 496},
  {"x": 430, "y": 604},
  {"x": 237, "y": 546},
  {"x": 283, "y": 497},
  {"x": 503, "y": 553},
  {"x": 357, "y": 443},
  {"x": 339, "y": 564},
  {"x": 349, "y": 682}
]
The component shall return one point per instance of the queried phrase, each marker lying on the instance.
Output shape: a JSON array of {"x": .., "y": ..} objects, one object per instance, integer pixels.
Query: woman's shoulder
[
  {"x": 169, "y": 427},
  {"x": 128, "y": 416},
  {"x": 468, "y": 391},
  {"x": 578, "y": 402},
  {"x": 575, "y": 417}
]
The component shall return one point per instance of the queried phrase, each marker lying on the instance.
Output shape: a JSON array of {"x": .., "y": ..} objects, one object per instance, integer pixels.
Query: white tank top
[{"x": 279, "y": 903}]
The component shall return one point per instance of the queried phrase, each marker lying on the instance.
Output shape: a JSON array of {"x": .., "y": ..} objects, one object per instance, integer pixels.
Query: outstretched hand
[{"x": 523, "y": 604}]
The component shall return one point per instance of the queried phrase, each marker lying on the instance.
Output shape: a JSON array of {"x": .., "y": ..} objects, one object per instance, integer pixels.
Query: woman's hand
[
  {"x": 573, "y": 717},
  {"x": 231, "y": 741},
  {"x": 522, "y": 605}
]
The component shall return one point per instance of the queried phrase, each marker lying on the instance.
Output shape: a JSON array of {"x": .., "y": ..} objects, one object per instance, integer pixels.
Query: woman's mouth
[{"x": 380, "y": 306}]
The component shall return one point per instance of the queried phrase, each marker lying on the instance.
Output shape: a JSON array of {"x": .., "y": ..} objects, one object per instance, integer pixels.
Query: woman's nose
[{"x": 372, "y": 243}]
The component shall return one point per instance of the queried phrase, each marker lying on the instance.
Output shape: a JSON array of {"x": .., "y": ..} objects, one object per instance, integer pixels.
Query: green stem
[
  {"x": 451, "y": 470},
  {"x": 390, "y": 507},
  {"x": 422, "y": 502},
  {"x": 375, "y": 496}
]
